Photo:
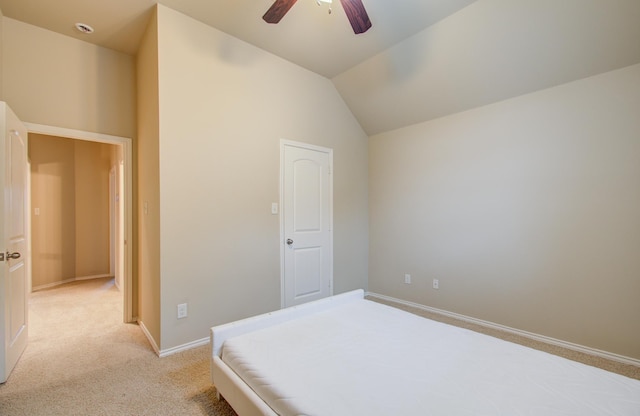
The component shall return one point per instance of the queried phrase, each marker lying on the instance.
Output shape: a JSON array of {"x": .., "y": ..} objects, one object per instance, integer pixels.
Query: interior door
[
  {"x": 14, "y": 249},
  {"x": 307, "y": 245}
]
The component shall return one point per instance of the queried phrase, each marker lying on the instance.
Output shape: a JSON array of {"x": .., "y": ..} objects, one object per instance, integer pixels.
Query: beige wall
[
  {"x": 224, "y": 106},
  {"x": 525, "y": 210},
  {"x": 148, "y": 183},
  {"x": 53, "y": 193},
  {"x": 60, "y": 81},
  {"x": 92, "y": 167},
  {"x": 70, "y": 189}
]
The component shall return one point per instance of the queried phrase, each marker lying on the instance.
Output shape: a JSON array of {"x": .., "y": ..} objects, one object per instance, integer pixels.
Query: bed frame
[{"x": 235, "y": 391}]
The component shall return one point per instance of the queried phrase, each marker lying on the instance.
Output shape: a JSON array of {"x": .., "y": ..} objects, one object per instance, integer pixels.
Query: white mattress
[{"x": 364, "y": 358}]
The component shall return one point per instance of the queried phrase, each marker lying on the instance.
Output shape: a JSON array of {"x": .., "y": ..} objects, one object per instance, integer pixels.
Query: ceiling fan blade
[
  {"x": 357, "y": 15},
  {"x": 277, "y": 10}
]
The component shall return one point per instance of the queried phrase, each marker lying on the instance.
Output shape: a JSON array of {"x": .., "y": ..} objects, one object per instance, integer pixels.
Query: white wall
[
  {"x": 224, "y": 106},
  {"x": 527, "y": 211}
]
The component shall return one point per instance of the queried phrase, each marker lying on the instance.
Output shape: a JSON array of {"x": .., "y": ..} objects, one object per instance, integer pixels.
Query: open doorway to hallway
[{"x": 83, "y": 182}]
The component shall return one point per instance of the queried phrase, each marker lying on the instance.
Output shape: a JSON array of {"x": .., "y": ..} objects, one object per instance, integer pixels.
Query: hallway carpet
[{"x": 82, "y": 360}]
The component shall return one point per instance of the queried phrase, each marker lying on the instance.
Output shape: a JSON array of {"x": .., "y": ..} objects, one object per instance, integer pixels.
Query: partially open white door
[
  {"x": 307, "y": 229},
  {"x": 13, "y": 231}
]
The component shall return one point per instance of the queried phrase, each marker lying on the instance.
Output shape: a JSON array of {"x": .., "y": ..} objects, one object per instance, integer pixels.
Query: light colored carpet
[{"x": 82, "y": 360}]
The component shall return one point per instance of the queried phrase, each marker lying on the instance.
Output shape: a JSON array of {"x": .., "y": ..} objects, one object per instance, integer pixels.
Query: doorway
[{"x": 122, "y": 216}]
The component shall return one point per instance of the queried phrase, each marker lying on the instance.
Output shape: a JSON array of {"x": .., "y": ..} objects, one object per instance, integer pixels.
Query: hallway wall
[{"x": 70, "y": 209}]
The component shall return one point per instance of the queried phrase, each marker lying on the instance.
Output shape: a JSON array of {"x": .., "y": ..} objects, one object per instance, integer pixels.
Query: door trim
[
  {"x": 127, "y": 150},
  {"x": 290, "y": 143}
]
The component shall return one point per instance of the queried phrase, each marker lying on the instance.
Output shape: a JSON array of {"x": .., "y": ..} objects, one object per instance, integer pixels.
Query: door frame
[
  {"x": 284, "y": 143},
  {"x": 112, "y": 222},
  {"x": 127, "y": 151}
]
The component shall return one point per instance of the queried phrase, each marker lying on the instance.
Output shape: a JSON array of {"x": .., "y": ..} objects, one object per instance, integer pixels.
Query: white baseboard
[
  {"x": 96, "y": 276},
  {"x": 184, "y": 347},
  {"x": 146, "y": 333},
  {"x": 73, "y": 279},
  {"x": 50, "y": 285},
  {"x": 536, "y": 337},
  {"x": 174, "y": 350}
]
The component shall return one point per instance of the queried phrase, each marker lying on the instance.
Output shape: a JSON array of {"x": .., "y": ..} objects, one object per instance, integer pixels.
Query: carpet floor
[{"x": 82, "y": 360}]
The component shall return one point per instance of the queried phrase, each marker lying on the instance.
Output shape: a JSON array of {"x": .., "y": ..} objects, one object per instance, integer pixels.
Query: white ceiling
[{"x": 308, "y": 35}]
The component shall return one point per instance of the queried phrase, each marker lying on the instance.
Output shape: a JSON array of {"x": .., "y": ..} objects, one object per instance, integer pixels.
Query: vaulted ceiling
[
  {"x": 422, "y": 59},
  {"x": 490, "y": 51}
]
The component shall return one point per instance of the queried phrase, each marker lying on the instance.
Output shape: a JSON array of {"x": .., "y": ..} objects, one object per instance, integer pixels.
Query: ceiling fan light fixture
[
  {"x": 354, "y": 9},
  {"x": 319, "y": 3}
]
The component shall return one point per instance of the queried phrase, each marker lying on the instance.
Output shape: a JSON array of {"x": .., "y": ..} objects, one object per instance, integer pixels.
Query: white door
[
  {"x": 13, "y": 226},
  {"x": 307, "y": 246}
]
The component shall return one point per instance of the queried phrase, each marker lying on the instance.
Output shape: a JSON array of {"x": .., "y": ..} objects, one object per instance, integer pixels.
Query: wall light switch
[
  {"x": 182, "y": 310},
  {"x": 36, "y": 211},
  {"x": 274, "y": 208}
]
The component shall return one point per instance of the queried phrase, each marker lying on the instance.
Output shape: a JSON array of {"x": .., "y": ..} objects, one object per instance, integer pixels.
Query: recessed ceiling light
[{"x": 84, "y": 28}]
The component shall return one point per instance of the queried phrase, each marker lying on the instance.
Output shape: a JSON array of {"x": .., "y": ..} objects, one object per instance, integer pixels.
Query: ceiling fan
[{"x": 354, "y": 9}]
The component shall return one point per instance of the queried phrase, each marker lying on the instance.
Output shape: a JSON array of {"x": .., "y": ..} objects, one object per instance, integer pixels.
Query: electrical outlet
[
  {"x": 182, "y": 310},
  {"x": 407, "y": 279},
  {"x": 436, "y": 284}
]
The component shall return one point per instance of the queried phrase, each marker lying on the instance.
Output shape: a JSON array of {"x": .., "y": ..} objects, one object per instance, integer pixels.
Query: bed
[{"x": 346, "y": 355}]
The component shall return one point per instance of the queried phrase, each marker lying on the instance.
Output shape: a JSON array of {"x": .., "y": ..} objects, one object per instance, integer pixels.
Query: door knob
[
  {"x": 14, "y": 256},
  {"x": 289, "y": 241}
]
